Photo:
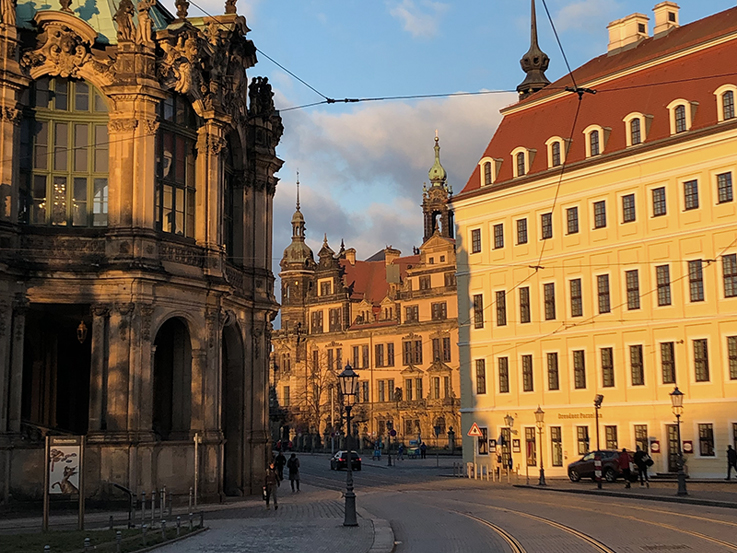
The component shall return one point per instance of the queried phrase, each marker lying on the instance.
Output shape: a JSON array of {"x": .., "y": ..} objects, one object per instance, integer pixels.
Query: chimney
[
  {"x": 390, "y": 254},
  {"x": 627, "y": 33},
  {"x": 350, "y": 255},
  {"x": 666, "y": 18}
]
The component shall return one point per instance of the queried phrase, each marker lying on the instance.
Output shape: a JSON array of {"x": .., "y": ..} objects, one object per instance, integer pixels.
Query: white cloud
[
  {"x": 420, "y": 20},
  {"x": 587, "y": 15}
]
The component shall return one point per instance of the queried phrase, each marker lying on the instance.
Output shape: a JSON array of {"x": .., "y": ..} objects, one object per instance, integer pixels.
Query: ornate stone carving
[
  {"x": 212, "y": 319},
  {"x": 20, "y": 306},
  {"x": 125, "y": 309},
  {"x": 122, "y": 125},
  {"x": 150, "y": 126},
  {"x": 100, "y": 310},
  {"x": 124, "y": 18},
  {"x": 216, "y": 144},
  {"x": 261, "y": 97},
  {"x": 230, "y": 6},
  {"x": 178, "y": 64},
  {"x": 13, "y": 115},
  {"x": 7, "y": 12},
  {"x": 65, "y": 6},
  {"x": 145, "y": 25},
  {"x": 182, "y": 8},
  {"x": 147, "y": 312}
]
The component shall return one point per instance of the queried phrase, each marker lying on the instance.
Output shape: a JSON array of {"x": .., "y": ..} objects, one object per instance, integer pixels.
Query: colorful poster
[{"x": 64, "y": 458}]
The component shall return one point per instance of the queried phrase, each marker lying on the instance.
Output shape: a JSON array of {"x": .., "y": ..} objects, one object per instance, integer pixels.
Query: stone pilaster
[
  {"x": 210, "y": 144},
  {"x": 5, "y": 347},
  {"x": 118, "y": 368},
  {"x": 99, "y": 368},
  {"x": 20, "y": 306}
]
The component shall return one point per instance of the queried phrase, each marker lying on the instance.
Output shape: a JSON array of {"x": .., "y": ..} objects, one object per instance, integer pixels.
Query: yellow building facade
[
  {"x": 597, "y": 254},
  {"x": 392, "y": 317}
]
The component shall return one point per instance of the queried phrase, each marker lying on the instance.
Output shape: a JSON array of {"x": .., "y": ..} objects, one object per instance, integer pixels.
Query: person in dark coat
[
  {"x": 271, "y": 483},
  {"x": 423, "y": 450},
  {"x": 279, "y": 463},
  {"x": 293, "y": 466},
  {"x": 624, "y": 466},
  {"x": 641, "y": 459},
  {"x": 731, "y": 461}
]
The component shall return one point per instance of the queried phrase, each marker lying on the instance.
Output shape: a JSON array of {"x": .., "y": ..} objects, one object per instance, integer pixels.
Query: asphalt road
[{"x": 431, "y": 512}]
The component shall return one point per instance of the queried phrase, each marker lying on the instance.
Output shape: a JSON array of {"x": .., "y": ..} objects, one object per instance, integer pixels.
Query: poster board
[{"x": 64, "y": 472}]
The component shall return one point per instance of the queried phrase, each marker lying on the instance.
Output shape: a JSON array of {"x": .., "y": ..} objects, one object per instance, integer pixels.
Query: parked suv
[
  {"x": 584, "y": 467},
  {"x": 340, "y": 461}
]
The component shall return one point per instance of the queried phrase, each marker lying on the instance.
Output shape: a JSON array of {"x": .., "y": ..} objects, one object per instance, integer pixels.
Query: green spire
[{"x": 437, "y": 173}]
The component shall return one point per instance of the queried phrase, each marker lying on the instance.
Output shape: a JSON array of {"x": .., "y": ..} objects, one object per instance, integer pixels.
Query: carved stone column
[
  {"x": 20, "y": 306},
  {"x": 99, "y": 368},
  {"x": 210, "y": 144},
  {"x": 119, "y": 368},
  {"x": 199, "y": 366},
  {"x": 142, "y": 391}
]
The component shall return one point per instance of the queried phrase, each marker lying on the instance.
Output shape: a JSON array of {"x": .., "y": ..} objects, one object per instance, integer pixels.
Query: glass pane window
[
  {"x": 607, "y": 367},
  {"x": 732, "y": 356},
  {"x": 63, "y": 156},
  {"x": 579, "y": 370},
  {"x": 635, "y": 131},
  {"x": 729, "y": 274},
  {"x": 633, "y": 289},
  {"x": 553, "y": 377},
  {"x": 487, "y": 173},
  {"x": 501, "y": 308},
  {"x": 600, "y": 214},
  {"x": 662, "y": 273},
  {"x": 610, "y": 436},
  {"x": 475, "y": 240},
  {"x": 691, "y": 194},
  {"x": 594, "y": 143},
  {"x": 636, "y": 365},
  {"x": 498, "y": 236},
  {"x": 527, "y": 377},
  {"x": 549, "y": 294},
  {"x": 576, "y": 298},
  {"x": 668, "y": 362},
  {"x": 522, "y": 231},
  {"x": 641, "y": 438},
  {"x": 530, "y": 446},
  {"x": 724, "y": 187},
  {"x": 602, "y": 283},
  {"x": 728, "y": 105},
  {"x": 556, "y": 442},
  {"x": 478, "y": 311},
  {"x": 480, "y": 376},
  {"x": 582, "y": 438},
  {"x": 555, "y": 150},
  {"x": 659, "y": 207},
  {"x": 524, "y": 304},
  {"x": 628, "y": 208},
  {"x": 680, "y": 116},
  {"x": 701, "y": 360},
  {"x": 706, "y": 440},
  {"x": 521, "y": 164},
  {"x": 546, "y": 224},
  {"x": 572, "y": 219},
  {"x": 503, "y": 363},
  {"x": 696, "y": 280}
]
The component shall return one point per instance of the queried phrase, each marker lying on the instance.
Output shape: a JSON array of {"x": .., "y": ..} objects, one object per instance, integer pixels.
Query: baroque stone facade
[{"x": 136, "y": 292}]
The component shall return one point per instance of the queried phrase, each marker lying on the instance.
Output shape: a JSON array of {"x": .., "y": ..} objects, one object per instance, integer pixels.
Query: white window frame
[
  {"x": 603, "y": 138},
  {"x": 719, "y": 92},
  {"x": 564, "y": 144},
  {"x": 496, "y": 165},
  {"x": 690, "y": 113},
  {"x": 645, "y": 122},
  {"x": 529, "y": 158}
]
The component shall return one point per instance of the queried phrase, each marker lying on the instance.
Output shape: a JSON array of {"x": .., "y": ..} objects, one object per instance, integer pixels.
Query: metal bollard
[
  {"x": 163, "y": 501},
  {"x": 47, "y": 548},
  {"x": 144, "y": 529},
  {"x": 153, "y": 508},
  {"x": 87, "y": 545},
  {"x": 202, "y": 519},
  {"x": 163, "y": 529},
  {"x": 111, "y": 523},
  {"x": 118, "y": 540},
  {"x": 179, "y": 525},
  {"x": 171, "y": 498},
  {"x": 143, "y": 507},
  {"x": 190, "y": 499},
  {"x": 190, "y": 521}
]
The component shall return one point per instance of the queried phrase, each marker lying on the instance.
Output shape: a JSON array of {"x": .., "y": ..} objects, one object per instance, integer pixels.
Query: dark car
[
  {"x": 584, "y": 467},
  {"x": 340, "y": 461}
]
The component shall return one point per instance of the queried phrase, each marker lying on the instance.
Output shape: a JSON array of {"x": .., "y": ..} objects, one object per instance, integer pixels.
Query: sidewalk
[
  {"x": 311, "y": 520},
  {"x": 700, "y": 492}
]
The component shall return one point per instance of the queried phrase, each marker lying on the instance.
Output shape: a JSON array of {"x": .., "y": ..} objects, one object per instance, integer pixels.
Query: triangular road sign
[{"x": 475, "y": 431}]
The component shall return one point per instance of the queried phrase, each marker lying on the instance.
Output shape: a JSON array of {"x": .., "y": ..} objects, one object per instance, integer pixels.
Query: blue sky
[{"x": 362, "y": 166}]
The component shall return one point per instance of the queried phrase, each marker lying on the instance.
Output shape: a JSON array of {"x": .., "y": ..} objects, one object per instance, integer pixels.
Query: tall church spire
[
  {"x": 437, "y": 173},
  {"x": 534, "y": 63}
]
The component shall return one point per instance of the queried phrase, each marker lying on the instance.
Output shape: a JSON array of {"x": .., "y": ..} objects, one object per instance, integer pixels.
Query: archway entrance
[
  {"x": 232, "y": 416},
  {"x": 172, "y": 381}
]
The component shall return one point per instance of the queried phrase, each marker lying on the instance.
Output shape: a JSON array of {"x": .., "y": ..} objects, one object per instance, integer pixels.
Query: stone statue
[
  {"x": 65, "y": 5},
  {"x": 145, "y": 25},
  {"x": 124, "y": 18},
  {"x": 7, "y": 11},
  {"x": 182, "y": 9},
  {"x": 261, "y": 97},
  {"x": 230, "y": 6}
]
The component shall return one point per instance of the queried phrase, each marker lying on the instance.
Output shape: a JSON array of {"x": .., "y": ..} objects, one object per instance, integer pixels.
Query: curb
[
  {"x": 383, "y": 533},
  {"x": 191, "y": 534},
  {"x": 663, "y": 498}
]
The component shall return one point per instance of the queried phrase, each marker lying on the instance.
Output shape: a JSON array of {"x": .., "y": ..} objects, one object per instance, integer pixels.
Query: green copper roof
[
  {"x": 437, "y": 173},
  {"x": 97, "y": 13}
]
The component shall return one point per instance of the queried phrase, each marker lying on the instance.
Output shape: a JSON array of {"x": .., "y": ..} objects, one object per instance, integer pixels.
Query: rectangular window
[
  {"x": 553, "y": 377},
  {"x": 326, "y": 288},
  {"x": 498, "y": 236},
  {"x": 331, "y": 360},
  {"x": 390, "y": 389},
  {"x": 379, "y": 355},
  {"x": 476, "y": 240},
  {"x": 411, "y": 314},
  {"x": 594, "y": 143},
  {"x": 610, "y": 435},
  {"x": 549, "y": 301},
  {"x": 480, "y": 376},
  {"x": 365, "y": 391},
  {"x": 417, "y": 352},
  {"x": 607, "y": 367},
  {"x": 478, "y": 311},
  {"x": 503, "y": 375},
  {"x": 636, "y": 365},
  {"x": 691, "y": 194},
  {"x": 407, "y": 353},
  {"x": 668, "y": 362},
  {"x": 729, "y": 273},
  {"x": 285, "y": 396},
  {"x": 582, "y": 435},
  {"x": 602, "y": 284},
  {"x": 316, "y": 322},
  {"x": 527, "y": 382},
  {"x": 449, "y": 280},
  {"x": 446, "y": 349},
  {"x": 390, "y": 355},
  {"x": 572, "y": 218},
  {"x": 579, "y": 370},
  {"x": 732, "y": 356},
  {"x": 439, "y": 311},
  {"x": 425, "y": 283},
  {"x": 521, "y": 231},
  {"x": 530, "y": 446},
  {"x": 600, "y": 214},
  {"x": 435, "y": 387},
  {"x": 524, "y": 305},
  {"x": 641, "y": 437},
  {"x": 418, "y": 388},
  {"x": 382, "y": 391},
  {"x": 576, "y": 299},
  {"x": 365, "y": 357},
  {"x": 446, "y": 387},
  {"x": 436, "y": 352},
  {"x": 662, "y": 273},
  {"x": 659, "y": 207},
  {"x": 701, "y": 360},
  {"x": 546, "y": 224},
  {"x": 696, "y": 280},
  {"x": 706, "y": 440},
  {"x": 356, "y": 358},
  {"x": 556, "y": 443},
  {"x": 483, "y": 441},
  {"x": 628, "y": 208},
  {"x": 408, "y": 389},
  {"x": 501, "y": 308},
  {"x": 633, "y": 289},
  {"x": 724, "y": 187}
]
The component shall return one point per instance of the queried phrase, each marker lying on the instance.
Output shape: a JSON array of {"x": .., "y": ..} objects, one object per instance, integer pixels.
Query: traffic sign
[
  {"x": 392, "y": 432},
  {"x": 475, "y": 431}
]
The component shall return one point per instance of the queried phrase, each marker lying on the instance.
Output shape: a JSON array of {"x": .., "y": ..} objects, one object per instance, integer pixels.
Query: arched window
[
  {"x": 555, "y": 150},
  {"x": 594, "y": 143},
  {"x": 680, "y": 115},
  {"x": 635, "y": 131},
  {"x": 521, "y": 164},
  {"x": 487, "y": 173},
  {"x": 728, "y": 105},
  {"x": 64, "y": 155},
  {"x": 175, "y": 167}
]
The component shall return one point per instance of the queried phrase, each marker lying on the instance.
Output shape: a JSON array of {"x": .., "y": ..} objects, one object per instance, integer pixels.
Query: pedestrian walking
[
  {"x": 642, "y": 459},
  {"x": 423, "y": 450},
  {"x": 624, "y": 466},
  {"x": 293, "y": 466},
  {"x": 279, "y": 463},
  {"x": 271, "y": 483},
  {"x": 400, "y": 452},
  {"x": 377, "y": 450},
  {"x": 731, "y": 461}
]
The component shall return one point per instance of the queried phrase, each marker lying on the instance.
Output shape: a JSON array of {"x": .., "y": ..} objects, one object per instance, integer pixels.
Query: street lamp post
[
  {"x": 348, "y": 383},
  {"x": 676, "y": 400},
  {"x": 540, "y": 421},
  {"x": 597, "y": 405}
]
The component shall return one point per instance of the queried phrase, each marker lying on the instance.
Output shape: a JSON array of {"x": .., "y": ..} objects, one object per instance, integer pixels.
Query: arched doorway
[
  {"x": 172, "y": 407},
  {"x": 232, "y": 414}
]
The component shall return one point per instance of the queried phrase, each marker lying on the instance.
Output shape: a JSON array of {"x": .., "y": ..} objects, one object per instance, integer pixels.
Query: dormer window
[
  {"x": 557, "y": 150},
  {"x": 596, "y": 138},
  {"x": 555, "y": 154},
  {"x": 637, "y": 126},
  {"x": 725, "y": 102},
  {"x": 681, "y": 115},
  {"x": 489, "y": 170},
  {"x": 487, "y": 173},
  {"x": 594, "y": 143},
  {"x": 522, "y": 161},
  {"x": 635, "y": 133}
]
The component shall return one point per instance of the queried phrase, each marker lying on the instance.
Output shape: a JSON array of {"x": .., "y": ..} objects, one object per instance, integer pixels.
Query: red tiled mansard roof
[{"x": 369, "y": 277}]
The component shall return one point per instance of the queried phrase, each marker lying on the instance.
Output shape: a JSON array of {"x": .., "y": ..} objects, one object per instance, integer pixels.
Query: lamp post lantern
[
  {"x": 348, "y": 385},
  {"x": 598, "y": 398},
  {"x": 676, "y": 400},
  {"x": 540, "y": 422}
]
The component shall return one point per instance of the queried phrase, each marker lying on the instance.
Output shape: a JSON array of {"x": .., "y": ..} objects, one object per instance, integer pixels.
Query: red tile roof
[
  {"x": 369, "y": 277},
  {"x": 693, "y": 77}
]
